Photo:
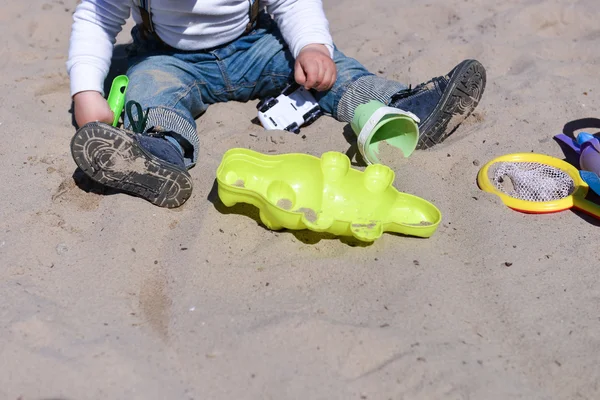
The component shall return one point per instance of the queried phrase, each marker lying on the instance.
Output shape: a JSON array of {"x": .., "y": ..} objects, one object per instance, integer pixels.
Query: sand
[
  {"x": 286, "y": 204},
  {"x": 105, "y": 296},
  {"x": 309, "y": 214}
]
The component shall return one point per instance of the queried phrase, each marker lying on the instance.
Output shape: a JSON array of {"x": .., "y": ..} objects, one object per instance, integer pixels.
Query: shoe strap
[{"x": 137, "y": 124}]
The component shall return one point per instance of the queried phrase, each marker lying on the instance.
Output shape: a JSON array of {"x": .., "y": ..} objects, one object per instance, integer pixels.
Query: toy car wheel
[
  {"x": 312, "y": 116},
  {"x": 261, "y": 103},
  {"x": 267, "y": 104},
  {"x": 294, "y": 128},
  {"x": 290, "y": 88}
]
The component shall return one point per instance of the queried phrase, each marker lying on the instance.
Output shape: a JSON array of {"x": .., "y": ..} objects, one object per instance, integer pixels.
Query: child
[{"x": 189, "y": 54}]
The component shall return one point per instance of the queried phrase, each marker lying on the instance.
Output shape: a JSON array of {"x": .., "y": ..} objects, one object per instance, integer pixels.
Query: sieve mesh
[{"x": 531, "y": 181}]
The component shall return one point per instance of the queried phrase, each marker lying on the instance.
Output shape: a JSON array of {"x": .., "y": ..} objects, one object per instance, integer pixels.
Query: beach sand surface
[{"x": 105, "y": 296}]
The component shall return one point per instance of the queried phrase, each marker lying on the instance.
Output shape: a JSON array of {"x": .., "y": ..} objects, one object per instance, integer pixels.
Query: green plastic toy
[
  {"x": 300, "y": 191},
  {"x": 116, "y": 96},
  {"x": 374, "y": 123}
]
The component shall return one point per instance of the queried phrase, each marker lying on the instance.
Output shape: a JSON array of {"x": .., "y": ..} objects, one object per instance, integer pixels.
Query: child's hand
[
  {"x": 90, "y": 106},
  {"x": 314, "y": 68}
]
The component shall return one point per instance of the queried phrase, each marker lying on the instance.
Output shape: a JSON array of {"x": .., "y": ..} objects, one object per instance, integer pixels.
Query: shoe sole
[
  {"x": 460, "y": 98},
  {"x": 112, "y": 158}
]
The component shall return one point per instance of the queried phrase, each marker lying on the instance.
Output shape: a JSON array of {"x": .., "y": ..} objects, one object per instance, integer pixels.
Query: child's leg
[
  {"x": 354, "y": 85},
  {"x": 166, "y": 87},
  {"x": 260, "y": 65},
  {"x": 152, "y": 162},
  {"x": 266, "y": 65},
  {"x": 441, "y": 103}
]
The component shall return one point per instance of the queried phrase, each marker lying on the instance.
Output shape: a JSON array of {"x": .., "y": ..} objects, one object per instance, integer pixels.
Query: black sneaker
[
  {"x": 141, "y": 165},
  {"x": 444, "y": 102}
]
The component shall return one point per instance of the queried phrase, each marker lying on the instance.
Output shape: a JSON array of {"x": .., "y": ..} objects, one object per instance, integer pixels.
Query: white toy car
[{"x": 293, "y": 108}]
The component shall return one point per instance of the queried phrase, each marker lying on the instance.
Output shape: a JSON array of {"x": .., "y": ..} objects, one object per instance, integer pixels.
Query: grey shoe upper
[
  {"x": 444, "y": 102},
  {"x": 161, "y": 148},
  {"x": 422, "y": 99},
  {"x": 149, "y": 139}
]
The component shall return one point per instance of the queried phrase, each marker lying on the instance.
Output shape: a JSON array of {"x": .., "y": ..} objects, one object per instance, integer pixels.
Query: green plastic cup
[
  {"x": 116, "y": 96},
  {"x": 374, "y": 122}
]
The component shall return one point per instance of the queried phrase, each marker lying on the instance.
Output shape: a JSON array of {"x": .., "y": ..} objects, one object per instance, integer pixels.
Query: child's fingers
[
  {"x": 321, "y": 79},
  {"x": 299, "y": 74},
  {"x": 90, "y": 106},
  {"x": 329, "y": 76},
  {"x": 109, "y": 117},
  {"x": 333, "y": 77},
  {"x": 328, "y": 79},
  {"x": 311, "y": 69}
]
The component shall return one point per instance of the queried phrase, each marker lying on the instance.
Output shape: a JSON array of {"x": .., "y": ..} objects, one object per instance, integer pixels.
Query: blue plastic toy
[{"x": 588, "y": 148}]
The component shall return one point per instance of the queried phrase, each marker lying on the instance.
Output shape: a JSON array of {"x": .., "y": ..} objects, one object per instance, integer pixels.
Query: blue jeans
[{"x": 178, "y": 86}]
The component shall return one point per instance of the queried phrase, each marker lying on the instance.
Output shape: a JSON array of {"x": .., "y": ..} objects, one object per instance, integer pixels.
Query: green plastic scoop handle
[{"x": 116, "y": 96}]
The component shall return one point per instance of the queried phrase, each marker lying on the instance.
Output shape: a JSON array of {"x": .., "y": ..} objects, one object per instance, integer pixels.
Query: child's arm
[
  {"x": 306, "y": 30},
  {"x": 96, "y": 24}
]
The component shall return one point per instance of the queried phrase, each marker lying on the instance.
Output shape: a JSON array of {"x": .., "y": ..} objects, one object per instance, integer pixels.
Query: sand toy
[
  {"x": 300, "y": 191},
  {"x": 536, "y": 183},
  {"x": 374, "y": 123},
  {"x": 116, "y": 97},
  {"x": 587, "y": 146}
]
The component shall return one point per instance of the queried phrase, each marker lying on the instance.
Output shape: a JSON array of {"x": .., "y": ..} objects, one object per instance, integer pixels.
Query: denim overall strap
[
  {"x": 147, "y": 28},
  {"x": 146, "y": 13},
  {"x": 253, "y": 11},
  {"x": 144, "y": 7}
]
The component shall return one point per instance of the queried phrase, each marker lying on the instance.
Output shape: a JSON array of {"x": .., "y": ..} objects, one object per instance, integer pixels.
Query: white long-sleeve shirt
[{"x": 183, "y": 24}]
